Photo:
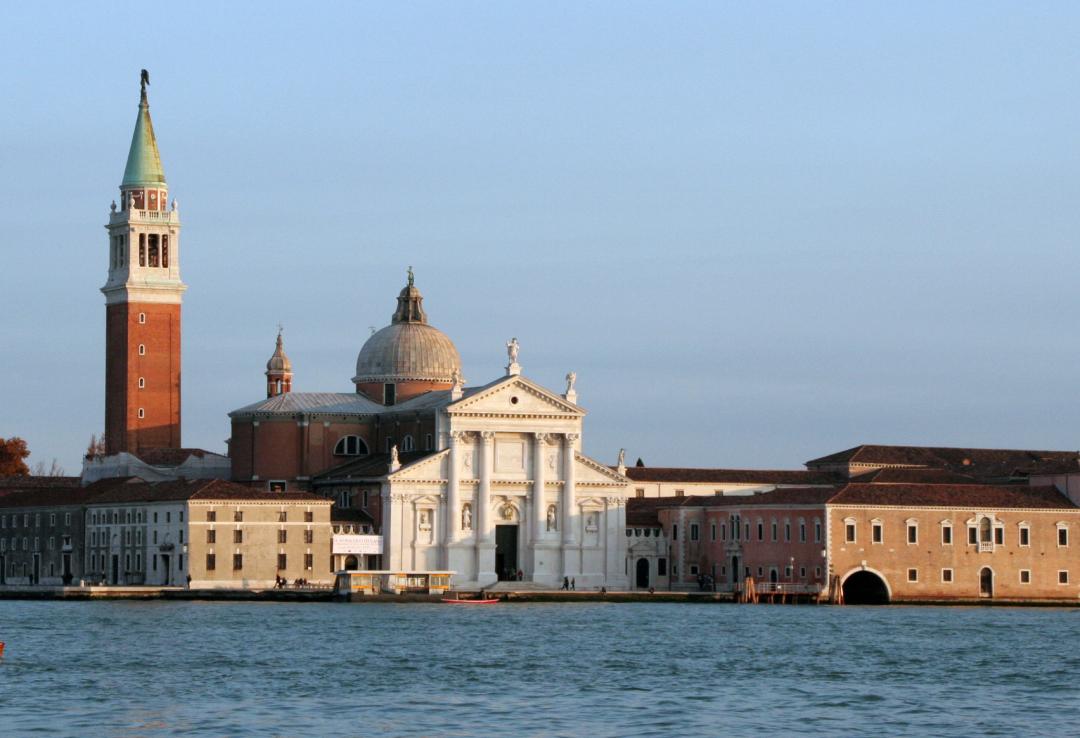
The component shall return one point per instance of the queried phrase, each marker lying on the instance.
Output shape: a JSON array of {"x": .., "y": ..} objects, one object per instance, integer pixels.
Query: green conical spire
[{"x": 144, "y": 163}]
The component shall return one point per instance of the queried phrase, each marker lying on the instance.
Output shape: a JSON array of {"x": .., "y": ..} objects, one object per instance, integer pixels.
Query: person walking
[
  {"x": 566, "y": 583},
  {"x": 573, "y": 584}
]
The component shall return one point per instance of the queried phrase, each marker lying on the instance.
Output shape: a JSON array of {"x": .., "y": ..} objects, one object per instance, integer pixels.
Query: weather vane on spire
[
  {"x": 411, "y": 277},
  {"x": 144, "y": 80}
]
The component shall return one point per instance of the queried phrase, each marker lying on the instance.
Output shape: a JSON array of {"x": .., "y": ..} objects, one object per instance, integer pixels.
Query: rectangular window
[
  {"x": 153, "y": 562},
  {"x": 309, "y": 517},
  {"x": 876, "y": 533},
  {"x": 913, "y": 575},
  {"x": 849, "y": 532},
  {"x": 1063, "y": 536},
  {"x": 1025, "y": 576},
  {"x": 674, "y": 532},
  {"x": 787, "y": 531},
  {"x": 211, "y": 536},
  {"x": 309, "y": 536},
  {"x": 712, "y": 532},
  {"x": 168, "y": 517},
  {"x": 309, "y": 561},
  {"x": 238, "y": 516},
  {"x": 973, "y": 535},
  {"x": 775, "y": 535},
  {"x": 238, "y": 536},
  {"x": 802, "y": 532},
  {"x": 802, "y": 572},
  {"x": 912, "y": 533},
  {"x": 211, "y": 562},
  {"x": 282, "y": 536},
  {"x": 211, "y": 516},
  {"x": 1063, "y": 576},
  {"x": 181, "y": 536},
  {"x": 693, "y": 570},
  {"x": 680, "y": 493},
  {"x": 180, "y": 562},
  {"x": 282, "y": 562},
  {"x": 999, "y": 536},
  {"x": 639, "y": 493},
  {"x": 946, "y": 575},
  {"x": 237, "y": 562},
  {"x": 181, "y": 516},
  {"x": 760, "y": 531},
  {"x": 693, "y": 531},
  {"x": 661, "y": 567},
  {"x": 946, "y": 535},
  {"x": 282, "y": 516},
  {"x": 1025, "y": 535},
  {"x": 52, "y": 519}
]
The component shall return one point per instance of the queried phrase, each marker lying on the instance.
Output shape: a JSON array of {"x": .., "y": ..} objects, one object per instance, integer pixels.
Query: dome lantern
[
  {"x": 278, "y": 371},
  {"x": 408, "y": 357}
]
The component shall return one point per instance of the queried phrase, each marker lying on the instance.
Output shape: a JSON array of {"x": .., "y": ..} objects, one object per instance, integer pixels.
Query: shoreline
[{"x": 182, "y": 594}]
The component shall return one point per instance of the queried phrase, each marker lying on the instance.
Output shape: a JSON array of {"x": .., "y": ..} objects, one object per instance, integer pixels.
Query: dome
[{"x": 408, "y": 349}]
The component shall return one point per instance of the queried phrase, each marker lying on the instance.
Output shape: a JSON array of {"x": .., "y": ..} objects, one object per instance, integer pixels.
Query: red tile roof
[
  {"x": 952, "y": 495},
  {"x": 693, "y": 475},
  {"x": 981, "y": 463},
  {"x": 907, "y": 475},
  {"x": 367, "y": 467},
  {"x": 114, "y": 491}
]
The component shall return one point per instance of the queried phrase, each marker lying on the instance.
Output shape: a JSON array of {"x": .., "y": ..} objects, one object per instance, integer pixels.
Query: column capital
[
  {"x": 571, "y": 437},
  {"x": 458, "y": 436},
  {"x": 487, "y": 436},
  {"x": 541, "y": 438}
]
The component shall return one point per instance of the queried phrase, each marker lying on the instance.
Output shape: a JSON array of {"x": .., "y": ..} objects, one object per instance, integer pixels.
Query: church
[{"x": 487, "y": 481}]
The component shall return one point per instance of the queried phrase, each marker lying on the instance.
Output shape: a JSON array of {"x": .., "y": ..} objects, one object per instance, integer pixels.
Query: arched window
[
  {"x": 165, "y": 251},
  {"x": 985, "y": 530},
  {"x": 350, "y": 446},
  {"x": 142, "y": 249},
  {"x": 407, "y": 443},
  {"x": 152, "y": 259}
]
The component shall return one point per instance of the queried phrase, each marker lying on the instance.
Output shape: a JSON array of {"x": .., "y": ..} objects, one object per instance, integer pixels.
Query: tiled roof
[
  {"x": 908, "y": 475},
  {"x": 729, "y": 476},
  {"x": 112, "y": 491},
  {"x": 45, "y": 497},
  {"x": 344, "y": 403},
  {"x": 367, "y": 467},
  {"x": 34, "y": 482},
  {"x": 642, "y": 511},
  {"x": 1061, "y": 466},
  {"x": 951, "y": 495},
  {"x": 942, "y": 457},
  {"x": 350, "y": 515}
]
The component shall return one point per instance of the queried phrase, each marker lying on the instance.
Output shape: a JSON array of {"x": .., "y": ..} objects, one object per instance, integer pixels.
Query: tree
[
  {"x": 13, "y": 451},
  {"x": 96, "y": 448},
  {"x": 52, "y": 470}
]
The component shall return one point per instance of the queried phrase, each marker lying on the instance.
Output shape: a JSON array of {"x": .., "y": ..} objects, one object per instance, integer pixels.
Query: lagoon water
[{"x": 590, "y": 669}]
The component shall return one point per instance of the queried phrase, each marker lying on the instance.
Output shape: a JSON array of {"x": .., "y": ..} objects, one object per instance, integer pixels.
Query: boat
[
  {"x": 1, "y": 648},
  {"x": 454, "y": 601}
]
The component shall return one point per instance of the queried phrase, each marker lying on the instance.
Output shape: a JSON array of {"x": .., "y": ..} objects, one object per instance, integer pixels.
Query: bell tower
[{"x": 142, "y": 303}]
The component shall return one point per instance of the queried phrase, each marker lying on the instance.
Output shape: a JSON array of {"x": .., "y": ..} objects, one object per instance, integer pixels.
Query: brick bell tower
[{"x": 142, "y": 303}]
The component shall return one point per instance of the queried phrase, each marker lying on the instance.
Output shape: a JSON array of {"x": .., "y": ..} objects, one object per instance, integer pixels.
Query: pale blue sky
[{"x": 758, "y": 233}]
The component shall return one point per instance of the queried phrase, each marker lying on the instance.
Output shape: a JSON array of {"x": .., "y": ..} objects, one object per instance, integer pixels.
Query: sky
[{"x": 758, "y": 233}]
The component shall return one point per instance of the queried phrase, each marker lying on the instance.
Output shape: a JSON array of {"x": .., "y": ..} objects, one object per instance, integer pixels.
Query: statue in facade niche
[
  {"x": 551, "y": 523},
  {"x": 512, "y": 348},
  {"x": 466, "y": 516}
]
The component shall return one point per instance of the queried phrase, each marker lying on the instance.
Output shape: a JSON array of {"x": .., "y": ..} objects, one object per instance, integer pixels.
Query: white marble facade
[{"x": 509, "y": 490}]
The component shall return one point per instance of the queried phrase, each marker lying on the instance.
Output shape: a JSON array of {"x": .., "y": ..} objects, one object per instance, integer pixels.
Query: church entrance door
[
  {"x": 642, "y": 573},
  {"x": 506, "y": 548}
]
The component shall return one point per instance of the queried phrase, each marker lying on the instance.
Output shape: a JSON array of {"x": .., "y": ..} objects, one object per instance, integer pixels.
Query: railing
[
  {"x": 788, "y": 588},
  {"x": 163, "y": 216},
  {"x": 986, "y": 547}
]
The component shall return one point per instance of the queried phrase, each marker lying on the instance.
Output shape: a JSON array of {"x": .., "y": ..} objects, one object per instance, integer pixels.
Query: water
[{"x": 589, "y": 669}]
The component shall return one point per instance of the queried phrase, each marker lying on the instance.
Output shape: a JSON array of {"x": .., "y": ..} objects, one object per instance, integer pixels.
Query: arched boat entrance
[
  {"x": 642, "y": 576},
  {"x": 986, "y": 582},
  {"x": 865, "y": 588}
]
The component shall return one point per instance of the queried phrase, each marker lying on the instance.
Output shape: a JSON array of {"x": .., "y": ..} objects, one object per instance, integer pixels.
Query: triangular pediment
[
  {"x": 426, "y": 469},
  {"x": 515, "y": 396},
  {"x": 591, "y": 471}
]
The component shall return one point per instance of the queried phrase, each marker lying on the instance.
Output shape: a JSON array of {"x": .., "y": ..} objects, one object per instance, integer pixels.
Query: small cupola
[{"x": 278, "y": 371}]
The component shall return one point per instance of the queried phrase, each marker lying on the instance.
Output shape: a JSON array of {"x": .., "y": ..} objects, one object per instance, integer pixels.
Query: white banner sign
[{"x": 352, "y": 544}]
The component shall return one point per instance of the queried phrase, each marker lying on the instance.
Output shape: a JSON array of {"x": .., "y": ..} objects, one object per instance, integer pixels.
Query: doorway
[
  {"x": 166, "y": 560},
  {"x": 37, "y": 569},
  {"x": 734, "y": 571},
  {"x": 115, "y": 569},
  {"x": 351, "y": 563},
  {"x": 986, "y": 582},
  {"x": 642, "y": 578},
  {"x": 506, "y": 548}
]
